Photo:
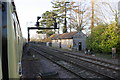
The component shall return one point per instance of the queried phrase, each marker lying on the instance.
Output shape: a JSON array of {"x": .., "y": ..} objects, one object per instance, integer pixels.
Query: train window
[
  {"x": 15, "y": 24},
  {"x": 14, "y": 27},
  {"x": 18, "y": 30}
]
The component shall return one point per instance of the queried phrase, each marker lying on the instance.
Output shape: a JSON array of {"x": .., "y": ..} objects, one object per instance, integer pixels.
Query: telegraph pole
[
  {"x": 65, "y": 24},
  {"x": 70, "y": 16},
  {"x": 92, "y": 17}
]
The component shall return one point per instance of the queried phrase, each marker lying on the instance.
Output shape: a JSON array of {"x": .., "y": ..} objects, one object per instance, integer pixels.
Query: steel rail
[
  {"x": 81, "y": 66},
  {"x": 58, "y": 64},
  {"x": 88, "y": 57}
]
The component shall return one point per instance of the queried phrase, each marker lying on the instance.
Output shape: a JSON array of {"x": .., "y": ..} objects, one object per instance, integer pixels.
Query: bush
[{"x": 103, "y": 38}]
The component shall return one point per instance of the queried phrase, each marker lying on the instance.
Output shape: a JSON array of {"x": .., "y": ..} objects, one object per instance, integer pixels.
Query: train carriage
[{"x": 11, "y": 41}]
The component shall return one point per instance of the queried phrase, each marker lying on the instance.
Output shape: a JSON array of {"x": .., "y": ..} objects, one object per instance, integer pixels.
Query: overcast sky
[{"x": 28, "y": 10}]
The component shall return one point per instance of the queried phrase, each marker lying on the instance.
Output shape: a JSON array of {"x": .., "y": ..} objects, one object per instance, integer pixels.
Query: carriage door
[{"x": 80, "y": 46}]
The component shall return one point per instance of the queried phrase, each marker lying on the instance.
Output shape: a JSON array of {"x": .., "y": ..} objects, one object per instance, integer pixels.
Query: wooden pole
[{"x": 92, "y": 17}]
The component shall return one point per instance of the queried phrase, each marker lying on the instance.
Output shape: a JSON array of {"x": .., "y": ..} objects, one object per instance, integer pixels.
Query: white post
[{"x": 113, "y": 53}]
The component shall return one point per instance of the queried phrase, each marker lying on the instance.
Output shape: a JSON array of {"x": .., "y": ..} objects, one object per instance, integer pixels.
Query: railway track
[
  {"x": 73, "y": 60},
  {"x": 56, "y": 62},
  {"x": 90, "y": 58},
  {"x": 80, "y": 72},
  {"x": 96, "y": 61}
]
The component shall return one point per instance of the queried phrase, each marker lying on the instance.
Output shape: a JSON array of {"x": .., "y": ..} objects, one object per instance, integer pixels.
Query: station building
[{"x": 71, "y": 41}]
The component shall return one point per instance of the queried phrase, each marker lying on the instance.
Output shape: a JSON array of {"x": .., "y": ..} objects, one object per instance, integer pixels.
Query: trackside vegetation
[{"x": 104, "y": 37}]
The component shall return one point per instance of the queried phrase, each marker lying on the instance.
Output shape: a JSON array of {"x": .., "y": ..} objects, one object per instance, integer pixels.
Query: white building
[{"x": 72, "y": 40}]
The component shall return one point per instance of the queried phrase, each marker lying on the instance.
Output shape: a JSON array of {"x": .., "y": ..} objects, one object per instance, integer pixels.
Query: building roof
[
  {"x": 63, "y": 36},
  {"x": 55, "y": 36},
  {"x": 67, "y": 35}
]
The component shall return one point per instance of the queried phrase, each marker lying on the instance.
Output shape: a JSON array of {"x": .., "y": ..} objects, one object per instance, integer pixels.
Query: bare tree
[
  {"x": 79, "y": 15},
  {"x": 107, "y": 10},
  {"x": 113, "y": 10}
]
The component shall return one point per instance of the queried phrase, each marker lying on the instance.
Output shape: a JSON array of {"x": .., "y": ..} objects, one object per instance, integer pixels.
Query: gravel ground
[{"x": 33, "y": 64}]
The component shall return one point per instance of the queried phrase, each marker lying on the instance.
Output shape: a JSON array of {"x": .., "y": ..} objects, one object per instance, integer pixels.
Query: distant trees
[
  {"x": 100, "y": 17},
  {"x": 106, "y": 33},
  {"x": 111, "y": 8},
  {"x": 47, "y": 21},
  {"x": 77, "y": 14},
  {"x": 81, "y": 13},
  {"x": 61, "y": 7}
]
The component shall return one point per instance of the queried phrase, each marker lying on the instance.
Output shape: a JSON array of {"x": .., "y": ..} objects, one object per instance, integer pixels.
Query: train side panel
[
  {"x": 12, "y": 44},
  {"x": 11, "y": 41}
]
